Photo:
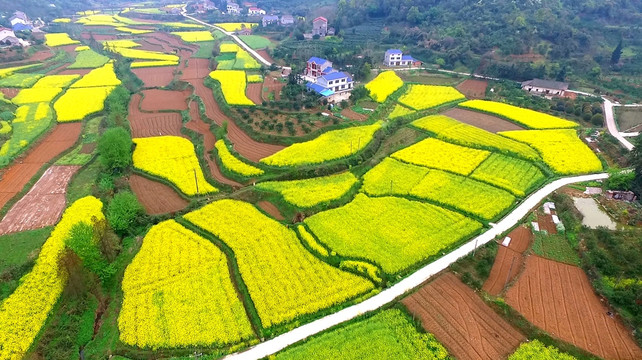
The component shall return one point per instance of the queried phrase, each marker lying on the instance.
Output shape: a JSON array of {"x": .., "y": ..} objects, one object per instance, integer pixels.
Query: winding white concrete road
[
  {"x": 389, "y": 295},
  {"x": 609, "y": 118},
  {"x": 233, "y": 36}
]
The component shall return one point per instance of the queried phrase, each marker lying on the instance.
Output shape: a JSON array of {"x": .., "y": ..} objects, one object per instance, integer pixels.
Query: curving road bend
[
  {"x": 609, "y": 118},
  {"x": 389, "y": 295}
]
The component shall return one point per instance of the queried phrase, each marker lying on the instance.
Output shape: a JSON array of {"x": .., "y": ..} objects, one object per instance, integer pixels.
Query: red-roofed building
[
  {"x": 255, "y": 11},
  {"x": 320, "y": 26}
]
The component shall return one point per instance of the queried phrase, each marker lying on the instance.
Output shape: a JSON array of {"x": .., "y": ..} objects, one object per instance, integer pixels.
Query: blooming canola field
[{"x": 226, "y": 252}]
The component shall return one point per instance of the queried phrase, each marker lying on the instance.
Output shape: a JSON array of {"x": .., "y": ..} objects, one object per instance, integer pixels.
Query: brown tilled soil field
[
  {"x": 267, "y": 57},
  {"x": 9, "y": 93},
  {"x": 196, "y": 69},
  {"x": 160, "y": 100},
  {"x": 253, "y": 91},
  {"x": 43, "y": 204},
  {"x": 198, "y": 125},
  {"x": 274, "y": 86},
  {"x": 509, "y": 260},
  {"x": 243, "y": 143},
  {"x": 546, "y": 223},
  {"x": 481, "y": 120},
  {"x": 98, "y": 37},
  {"x": 155, "y": 197},
  {"x": 153, "y": 124},
  {"x": 15, "y": 177},
  {"x": 473, "y": 89},
  {"x": 271, "y": 209},
  {"x": 353, "y": 115},
  {"x": 559, "y": 299},
  {"x": 155, "y": 76},
  {"x": 460, "y": 320}
]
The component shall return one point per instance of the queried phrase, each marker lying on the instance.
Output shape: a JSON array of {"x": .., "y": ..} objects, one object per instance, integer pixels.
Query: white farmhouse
[{"x": 545, "y": 87}]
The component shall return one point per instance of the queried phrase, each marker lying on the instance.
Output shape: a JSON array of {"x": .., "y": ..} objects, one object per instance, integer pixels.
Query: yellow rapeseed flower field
[
  {"x": 55, "y": 81},
  {"x": 194, "y": 36},
  {"x": 254, "y": 78},
  {"x": 140, "y": 64},
  {"x": 77, "y": 103},
  {"x": 467, "y": 135},
  {"x": 529, "y": 118},
  {"x": 120, "y": 43},
  {"x": 307, "y": 193},
  {"x": 399, "y": 111},
  {"x": 172, "y": 158},
  {"x": 231, "y": 27},
  {"x": 35, "y": 95},
  {"x": 384, "y": 85},
  {"x": 271, "y": 259},
  {"x": 132, "y": 30},
  {"x": 395, "y": 233},
  {"x": 61, "y": 20},
  {"x": 562, "y": 150},
  {"x": 420, "y": 97},
  {"x": 233, "y": 86},
  {"x": 229, "y": 48},
  {"x": 81, "y": 48},
  {"x": 515, "y": 175},
  {"x": 144, "y": 54},
  {"x": 441, "y": 155},
  {"x": 231, "y": 163},
  {"x": 25, "y": 311},
  {"x": 59, "y": 39},
  {"x": 332, "y": 145},
  {"x": 177, "y": 292},
  {"x": 468, "y": 195},
  {"x": 392, "y": 177},
  {"x": 10, "y": 70},
  {"x": 102, "y": 76}
]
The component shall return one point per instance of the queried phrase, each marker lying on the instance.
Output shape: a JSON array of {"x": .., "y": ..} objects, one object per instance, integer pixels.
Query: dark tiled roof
[{"x": 547, "y": 84}]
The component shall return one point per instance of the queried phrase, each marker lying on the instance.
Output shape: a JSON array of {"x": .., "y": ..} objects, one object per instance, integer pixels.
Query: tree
[
  {"x": 617, "y": 53},
  {"x": 414, "y": 16},
  {"x": 124, "y": 212},
  {"x": 636, "y": 160},
  {"x": 597, "y": 119},
  {"x": 358, "y": 93},
  {"x": 115, "y": 149}
]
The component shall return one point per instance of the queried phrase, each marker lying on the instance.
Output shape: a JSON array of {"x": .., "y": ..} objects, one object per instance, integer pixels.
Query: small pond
[{"x": 593, "y": 215}]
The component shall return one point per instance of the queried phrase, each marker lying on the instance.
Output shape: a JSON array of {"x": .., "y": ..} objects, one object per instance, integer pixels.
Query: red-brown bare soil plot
[
  {"x": 243, "y": 143},
  {"x": 155, "y": 76},
  {"x": 271, "y": 209},
  {"x": 461, "y": 320},
  {"x": 473, "y": 89},
  {"x": 43, "y": 204},
  {"x": 196, "y": 69},
  {"x": 265, "y": 55},
  {"x": 161, "y": 100},
  {"x": 481, "y": 120},
  {"x": 353, "y": 115},
  {"x": 197, "y": 124},
  {"x": 546, "y": 223},
  {"x": 97, "y": 37},
  {"x": 156, "y": 198},
  {"x": 253, "y": 92},
  {"x": 559, "y": 299},
  {"x": 153, "y": 124},
  {"x": 15, "y": 177},
  {"x": 509, "y": 260},
  {"x": 9, "y": 93},
  {"x": 274, "y": 86}
]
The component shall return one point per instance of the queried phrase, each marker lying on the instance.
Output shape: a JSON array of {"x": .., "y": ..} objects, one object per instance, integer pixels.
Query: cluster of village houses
[{"x": 19, "y": 22}]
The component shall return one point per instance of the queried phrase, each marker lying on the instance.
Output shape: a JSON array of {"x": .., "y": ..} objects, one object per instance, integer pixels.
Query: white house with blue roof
[
  {"x": 323, "y": 79},
  {"x": 395, "y": 57}
]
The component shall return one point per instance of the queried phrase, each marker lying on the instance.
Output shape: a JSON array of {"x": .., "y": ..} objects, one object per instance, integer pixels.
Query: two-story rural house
[
  {"x": 233, "y": 8},
  {"x": 395, "y": 57},
  {"x": 320, "y": 26},
  {"x": 331, "y": 84}
]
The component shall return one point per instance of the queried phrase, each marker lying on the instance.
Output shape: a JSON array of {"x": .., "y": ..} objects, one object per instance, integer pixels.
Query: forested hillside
[{"x": 495, "y": 36}]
